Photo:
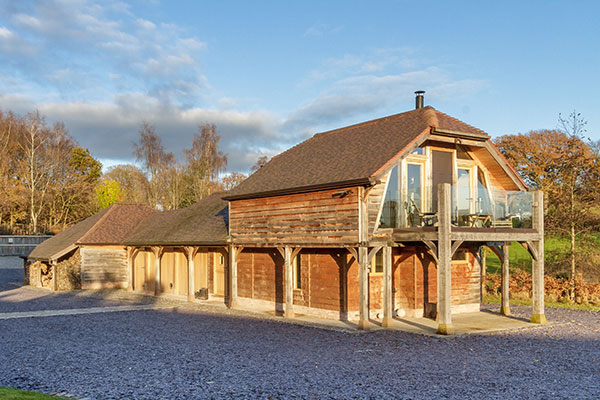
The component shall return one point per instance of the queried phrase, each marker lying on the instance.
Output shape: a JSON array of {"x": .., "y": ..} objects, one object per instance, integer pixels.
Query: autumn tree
[
  {"x": 205, "y": 161},
  {"x": 132, "y": 181},
  {"x": 560, "y": 163},
  {"x": 108, "y": 192},
  {"x": 150, "y": 152}
]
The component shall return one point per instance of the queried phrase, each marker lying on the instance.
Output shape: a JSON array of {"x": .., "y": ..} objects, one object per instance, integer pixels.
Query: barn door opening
[{"x": 219, "y": 274}]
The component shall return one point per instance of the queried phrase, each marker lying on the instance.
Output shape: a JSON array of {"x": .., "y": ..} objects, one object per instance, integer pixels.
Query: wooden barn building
[
  {"x": 374, "y": 221},
  {"x": 90, "y": 254}
]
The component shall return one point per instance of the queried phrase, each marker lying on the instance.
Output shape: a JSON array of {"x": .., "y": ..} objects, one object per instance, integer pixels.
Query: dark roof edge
[
  {"x": 303, "y": 189},
  {"x": 463, "y": 135}
]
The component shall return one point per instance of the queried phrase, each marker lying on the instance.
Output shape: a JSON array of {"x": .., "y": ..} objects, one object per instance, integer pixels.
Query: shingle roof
[
  {"x": 349, "y": 154},
  {"x": 108, "y": 226},
  {"x": 204, "y": 222}
]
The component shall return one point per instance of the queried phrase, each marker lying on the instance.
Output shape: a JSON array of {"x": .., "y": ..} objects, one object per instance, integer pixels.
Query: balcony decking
[{"x": 419, "y": 234}]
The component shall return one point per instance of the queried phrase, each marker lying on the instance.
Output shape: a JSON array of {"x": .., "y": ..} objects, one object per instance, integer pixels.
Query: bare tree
[
  {"x": 205, "y": 161},
  {"x": 262, "y": 160},
  {"x": 151, "y": 153}
]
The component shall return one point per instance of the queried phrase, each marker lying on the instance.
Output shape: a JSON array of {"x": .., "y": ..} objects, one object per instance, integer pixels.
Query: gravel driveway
[{"x": 198, "y": 352}]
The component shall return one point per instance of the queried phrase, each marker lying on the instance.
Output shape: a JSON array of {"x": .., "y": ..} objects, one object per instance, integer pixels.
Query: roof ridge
[
  {"x": 462, "y": 122},
  {"x": 374, "y": 121}
]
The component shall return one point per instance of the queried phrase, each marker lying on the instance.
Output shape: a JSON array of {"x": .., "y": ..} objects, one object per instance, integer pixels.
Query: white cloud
[{"x": 5, "y": 33}]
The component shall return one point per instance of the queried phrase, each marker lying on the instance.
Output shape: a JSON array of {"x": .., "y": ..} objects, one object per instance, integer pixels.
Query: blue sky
[{"x": 272, "y": 73}]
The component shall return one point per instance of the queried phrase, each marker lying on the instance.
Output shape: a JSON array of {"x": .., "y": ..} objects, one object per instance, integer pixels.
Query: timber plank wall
[
  {"x": 103, "y": 267},
  {"x": 306, "y": 218}
]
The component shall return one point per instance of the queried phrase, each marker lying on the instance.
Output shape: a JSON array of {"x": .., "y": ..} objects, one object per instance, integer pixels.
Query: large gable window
[{"x": 389, "y": 214}]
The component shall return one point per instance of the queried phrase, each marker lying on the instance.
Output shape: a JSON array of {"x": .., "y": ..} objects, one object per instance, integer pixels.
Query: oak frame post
[
  {"x": 289, "y": 285},
  {"x": 444, "y": 270},
  {"x": 190, "y": 252},
  {"x": 157, "y": 260},
  {"x": 233, "y": 276},
  {"x": 54, "y": 264},
  {"x": 129, "y": 253},
  {"x": 363, "y": 288},
  {"x": 505, "y": 286},
  {"x": 537, "y": 266},
  {"x": 388, "y": 300}
]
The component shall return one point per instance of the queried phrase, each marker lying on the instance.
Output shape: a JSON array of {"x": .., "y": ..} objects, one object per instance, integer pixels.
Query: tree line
[{"x": 48, "y": 182}]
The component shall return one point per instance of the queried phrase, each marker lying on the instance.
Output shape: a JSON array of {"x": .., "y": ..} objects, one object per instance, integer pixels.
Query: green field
[
  {"x": 520, "y": 258},
  {"x": 14, "y": 394}
]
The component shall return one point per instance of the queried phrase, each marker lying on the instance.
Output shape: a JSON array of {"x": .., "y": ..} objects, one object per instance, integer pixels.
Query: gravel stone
[{"x": 197, "y": 351}]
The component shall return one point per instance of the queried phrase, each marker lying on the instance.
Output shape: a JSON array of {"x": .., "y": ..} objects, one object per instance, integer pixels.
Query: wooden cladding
[
  {"x": 326, "y": 217},
  {"x": 103, "y": 266}
]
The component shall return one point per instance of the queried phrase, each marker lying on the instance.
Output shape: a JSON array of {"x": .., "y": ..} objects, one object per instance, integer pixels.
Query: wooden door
[
  {"x": 442, "y": 172},
  {"x": 201, "y": 270},
  {"x": 181, "y": 272},
  {"x": 167, "y": 273},
  {"x": 139, "y": 271},
  {"x": 219, "y": 274}
]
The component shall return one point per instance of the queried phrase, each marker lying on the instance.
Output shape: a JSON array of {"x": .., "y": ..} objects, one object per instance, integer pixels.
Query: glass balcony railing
[{"x": 490, "y": 208}]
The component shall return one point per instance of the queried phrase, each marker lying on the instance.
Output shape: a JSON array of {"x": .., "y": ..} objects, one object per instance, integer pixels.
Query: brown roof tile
[
  {"x": 204, "y": 222},
  {"x": 108, "y": 226},
  {"x": 351, "y": 154}
]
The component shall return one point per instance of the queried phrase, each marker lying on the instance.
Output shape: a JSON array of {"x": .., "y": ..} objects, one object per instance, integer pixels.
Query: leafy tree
[
  {"x": 563, "y": 165},
  {"x": 134, "y": 184},
  {"x": 108, "y": 192}
]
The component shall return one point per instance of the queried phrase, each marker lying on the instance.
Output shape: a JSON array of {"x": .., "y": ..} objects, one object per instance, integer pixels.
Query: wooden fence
[{"x": 20, "y": 245}]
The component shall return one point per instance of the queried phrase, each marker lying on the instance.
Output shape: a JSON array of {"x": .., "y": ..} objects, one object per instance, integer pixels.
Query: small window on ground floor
[{"x": 377, "y": 263}]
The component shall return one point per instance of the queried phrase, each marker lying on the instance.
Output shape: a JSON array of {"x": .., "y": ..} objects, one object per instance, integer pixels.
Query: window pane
[
  {"x": 379, "y": 261},
  {"x": 389, "y": 215},
  {"x": 464, "y": 191},
  {"x": 419, "y": 151},
  {"x": 415, "y": 185}
]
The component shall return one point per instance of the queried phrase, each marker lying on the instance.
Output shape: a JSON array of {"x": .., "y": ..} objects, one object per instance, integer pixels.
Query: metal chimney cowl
[{"x": 419, "y": 99}]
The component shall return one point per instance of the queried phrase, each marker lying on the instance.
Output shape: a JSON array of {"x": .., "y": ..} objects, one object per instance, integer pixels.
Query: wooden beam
[
  {"x": 281, "y": 251},
  {"x": 374, "y": 251},
  {"x": 295, "y": 252},
  {"x": 54, "y": 263},
  {"x": 504, "y": 302},
  {"x": 484, "y": 235},
  {"x": 498, "y": 252},
  {"x": 363, "y": 288},
  {"x": 444, "y": 271},
  {"x": 158, "y": 251},
  {"x": 432, "y": 249},
  {"x": 455, "y": 247},
  {"x": 289, "y": 285},
  {"x": 129, "y": 251},
  {"x": 352, "y": 252},
  {"x": 190, "y": 252},
  {"x": 531, "y": 249},
  {"x": 538, "y": 316},
  {"x": 233, "y": 276},
  {"x": 388, "y": 299}
]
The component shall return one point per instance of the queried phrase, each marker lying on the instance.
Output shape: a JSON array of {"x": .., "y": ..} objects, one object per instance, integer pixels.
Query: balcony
[{"x": 492, "y": 208}]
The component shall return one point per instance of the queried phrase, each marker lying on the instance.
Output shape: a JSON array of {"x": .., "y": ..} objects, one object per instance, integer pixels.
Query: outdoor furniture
[{"x": 418, "y": 218}]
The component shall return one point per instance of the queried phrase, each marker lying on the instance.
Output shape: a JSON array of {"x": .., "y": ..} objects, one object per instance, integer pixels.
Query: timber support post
[
  {"x": 505, "y": 286},
  {"x": 388, "y": 300},
  {"x": 538, "y": 316},
  {"x": 483, "y": 269},
  {"x": 289, "y": 284},
  {"x": 363, "y": 287},
  {"x": 54, "y": 275},
  {"x": 444, "y": 271},
  {"x": 233, "y": 275},
  {"x": 157, "y": 256},
  {"x": 129, "y": 252},
  {"x": 190, "y": 252}
]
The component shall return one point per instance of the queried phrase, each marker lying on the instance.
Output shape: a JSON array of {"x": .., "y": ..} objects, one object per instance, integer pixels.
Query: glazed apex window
[{"x": 389, "y": 214}]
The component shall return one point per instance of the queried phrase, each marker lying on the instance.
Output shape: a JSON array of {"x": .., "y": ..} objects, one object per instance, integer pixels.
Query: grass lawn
[
  {"x": 520, "y": 258},
  {"x": 496, "y": 299},
  {"x": 14, "y": 394}
]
